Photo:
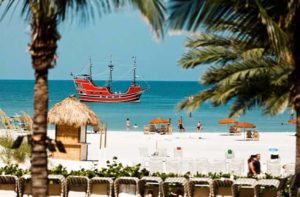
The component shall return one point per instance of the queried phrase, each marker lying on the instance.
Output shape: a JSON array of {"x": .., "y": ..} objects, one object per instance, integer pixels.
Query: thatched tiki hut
[{"x": 71, "y": 118}]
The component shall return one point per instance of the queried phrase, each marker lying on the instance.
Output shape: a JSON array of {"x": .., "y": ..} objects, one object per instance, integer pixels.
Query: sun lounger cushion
[
  {"x": 201, "y": 191},
  {"x": 8, "y": 193},
  {"x": 99, "y": 190},
  {"x": 127, "y": 190},
  {"x": 98, "y": 195},
  {"x": 76, "y": 194}
]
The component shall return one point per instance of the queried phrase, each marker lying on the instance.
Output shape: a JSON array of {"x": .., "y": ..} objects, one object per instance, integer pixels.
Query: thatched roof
[{"x": 72, "y": 112}]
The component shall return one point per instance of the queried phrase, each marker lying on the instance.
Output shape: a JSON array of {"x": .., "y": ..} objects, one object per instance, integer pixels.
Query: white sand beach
[{"x": 212, "y": 146}]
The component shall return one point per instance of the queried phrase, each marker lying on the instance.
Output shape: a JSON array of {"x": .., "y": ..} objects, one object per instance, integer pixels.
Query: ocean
[{"x": 159, "y": 101}]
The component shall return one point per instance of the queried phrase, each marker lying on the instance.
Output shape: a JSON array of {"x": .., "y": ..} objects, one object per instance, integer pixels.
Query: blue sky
[{"x": 123, "y": 34}]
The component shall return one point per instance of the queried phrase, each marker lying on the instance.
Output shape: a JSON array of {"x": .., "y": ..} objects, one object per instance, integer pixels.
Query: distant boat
[{"x": 88, "y": 91}]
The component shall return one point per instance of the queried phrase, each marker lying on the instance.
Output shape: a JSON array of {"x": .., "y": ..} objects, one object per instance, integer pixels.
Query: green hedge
[{"x": 116, "y": 169}]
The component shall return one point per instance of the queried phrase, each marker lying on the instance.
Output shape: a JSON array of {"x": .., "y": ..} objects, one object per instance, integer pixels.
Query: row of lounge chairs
[
  {"x": 163, "y": 129},
  {"x": 75, "y": 186}
]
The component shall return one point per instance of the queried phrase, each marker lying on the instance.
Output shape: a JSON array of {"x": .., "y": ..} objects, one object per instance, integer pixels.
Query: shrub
[{"x": 8, "y": 155}]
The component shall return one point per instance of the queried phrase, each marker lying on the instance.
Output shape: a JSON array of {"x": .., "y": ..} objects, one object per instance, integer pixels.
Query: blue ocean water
[{"x": 159, "y": 101}]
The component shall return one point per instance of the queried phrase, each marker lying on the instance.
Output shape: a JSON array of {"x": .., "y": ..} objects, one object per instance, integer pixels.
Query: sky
[{"x": 119, "y": 35}]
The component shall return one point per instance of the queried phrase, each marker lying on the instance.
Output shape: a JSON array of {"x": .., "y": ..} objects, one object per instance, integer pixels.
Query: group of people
[
  {"x": 180, "y": 125},
  {"x": 254, "y": 165}
]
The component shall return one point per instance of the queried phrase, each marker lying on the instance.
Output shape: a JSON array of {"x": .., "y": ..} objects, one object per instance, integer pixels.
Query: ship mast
[
  {"x": 90, "y": 74},
  {"x": 134, "y": 68},
  {"x": 111, "y": 67}
]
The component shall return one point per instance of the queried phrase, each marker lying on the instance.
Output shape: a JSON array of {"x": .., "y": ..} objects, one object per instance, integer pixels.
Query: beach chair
[
  {"x": 101, "y": 187},
  {"x": 24, "y": 185},
  {"x": 199, "y": 187},
  {"x": 249, "y": 135},
  {"x": 156, "y": 165},
  {"x": 255, "y": 135},
  {"x": 152, "y": 128},
  {"x": 217, "y": 166},
  {"x": 162, "y": 151},
  {"x": 244, "y": 187},
  {"x": 173, "y": 166},
  {"x": 56, "y": 185},
  {"x": 202, "y": 165},
  {"x": 163, "y": 129},
  {"x": 126, "y": 187},
  {"x": 236, "y": 167},
  {"x": 233, "y": 130},
  {"x": 222, "y": 187},
  {"x": 76, "y": 186},
  {"x": 146, "y": 129},
  {"x": 289, "y": 169},
  {"x": 274, "y": 167},
  {"x": 150, "y": 186},
  {"x": 267, "y": 188},
  {"x": 175, "y": 186},
  {"x": 8, "y": 186}
]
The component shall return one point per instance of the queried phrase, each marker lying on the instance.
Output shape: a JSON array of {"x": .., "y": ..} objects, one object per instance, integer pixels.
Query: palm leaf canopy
[
  {"x": 85, "y": 10},
  {"x": 241, "y": 19},
  {"x": 72, "y": 112},
  {"x": 246, "y": 74}
]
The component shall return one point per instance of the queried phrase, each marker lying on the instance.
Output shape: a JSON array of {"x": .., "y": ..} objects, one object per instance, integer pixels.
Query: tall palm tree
[
  {"x": 273, "y": 24},
  {"x": 44, "y": 16}
]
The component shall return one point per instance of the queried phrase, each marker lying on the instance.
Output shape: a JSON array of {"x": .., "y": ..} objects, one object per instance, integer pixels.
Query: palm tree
[
  {"x": 242, "y": 73},
  {"x": 44, "y": 18},
  {"x": 272, "y": 25}
]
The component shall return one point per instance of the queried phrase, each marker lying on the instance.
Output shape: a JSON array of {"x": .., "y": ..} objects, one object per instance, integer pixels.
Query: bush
[{"x": 8, "y": 155}]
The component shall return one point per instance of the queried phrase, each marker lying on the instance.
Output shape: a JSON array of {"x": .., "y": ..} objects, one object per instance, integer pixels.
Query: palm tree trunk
[
  {"x": 39, "y": 154},
  {"x": 42, "y": 49},
  {"x": 296, "y": 79}
]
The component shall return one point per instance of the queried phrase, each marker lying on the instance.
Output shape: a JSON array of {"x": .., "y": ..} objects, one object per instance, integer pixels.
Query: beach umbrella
[
  {"x": 292, "y": 121},
  {"x": 227, "y": 121},
  {"x": 245, "y": 125},
  {"x": 159, "y": 121}
]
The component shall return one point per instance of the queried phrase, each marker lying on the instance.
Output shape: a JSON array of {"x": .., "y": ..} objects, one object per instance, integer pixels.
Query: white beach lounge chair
[
  {"x": 222, "y": 187},
  {"x": 274, "y": 167},
  {"x": 267, "y": 188},
  {"x": 24, "y": 185},
  {"x": 101, "y": 187},
  {"x": 236, "y": 166},
  {"x": 244, "y": 187},
  {"x": 175, "y": 186},
  {"x": 56, "y": 185},
  {"x": 173, "y": 166},
  {"x": 199, "y": 187},
  {"x": 217, "y": 166},
  {"x": 156, "y": 165},
  {"x": 150, "y": 186},
  {"x": 126, "y": 187},
  {"x": 8, "y": 186},
  {"x": 76, "y": 186}
]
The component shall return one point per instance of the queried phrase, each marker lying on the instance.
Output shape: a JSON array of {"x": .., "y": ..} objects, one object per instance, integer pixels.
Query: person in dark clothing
[
  {"x": 251, "y": 169},
  {"x": 256, "y": 164}
]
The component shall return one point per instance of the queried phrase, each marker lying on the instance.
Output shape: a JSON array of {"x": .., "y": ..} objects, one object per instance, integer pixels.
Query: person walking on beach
[
  {"x": 180, "y": 125},
  {"x": 127, "y": 124},
  {"x": 251, "y": 169},
  {"x": 199, "y": 127},
  {"x": 256, "y": 164}
]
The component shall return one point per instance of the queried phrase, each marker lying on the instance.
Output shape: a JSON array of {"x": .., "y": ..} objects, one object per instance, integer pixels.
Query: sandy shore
[
  {"x": 125, "y": 146},
  {"x": 212, "y": 146}
]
